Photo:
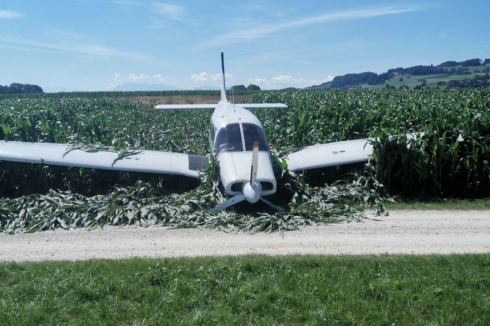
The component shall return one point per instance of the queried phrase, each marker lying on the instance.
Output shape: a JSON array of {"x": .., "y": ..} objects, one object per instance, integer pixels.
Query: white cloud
[
  {"x": 286, "y": 80},
  {"x": 217, "y": 77},
  {"x": 205, "y": 77},
  {"x": 173, "y": 12},
  {"x": 117, "y": 78},
  {"x": 200, "y": 78},
  {"x": 157, "y": 24},
  {"x": 321, "y": 81},
  {"x": 65, "y": 33},
  {"x": 128, "y": 3},
  {"x": 96, "y": 50},
  {"x": 10, "y": 14},
  {"x": 280, "y": 81},
  {"x": 240, "y": 35},
  {"x": 159, "y": 78},
  {"x": 257, "y": 81},
  {"x": 137, "y": 78}
]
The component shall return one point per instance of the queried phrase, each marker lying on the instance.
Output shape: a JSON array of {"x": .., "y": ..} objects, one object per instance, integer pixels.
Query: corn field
[{"x": 449, "y": 159}]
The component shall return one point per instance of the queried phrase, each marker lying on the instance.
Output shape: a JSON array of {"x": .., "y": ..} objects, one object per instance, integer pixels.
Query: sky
[{"x": 96, "y": 45}]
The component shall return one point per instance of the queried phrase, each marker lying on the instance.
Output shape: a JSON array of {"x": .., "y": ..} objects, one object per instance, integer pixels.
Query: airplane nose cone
[{"x": 251, "y": 192}]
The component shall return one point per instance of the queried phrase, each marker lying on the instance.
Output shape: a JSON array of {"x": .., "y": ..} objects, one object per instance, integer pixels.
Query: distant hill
[
  {"x": 131, "y": 87},
  {"x": 468, "y": 73}
]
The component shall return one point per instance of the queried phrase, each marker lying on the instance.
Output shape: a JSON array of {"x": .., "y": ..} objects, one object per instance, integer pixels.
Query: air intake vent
[
  {"x": 237, "y": 186},
  {"x": 266, "y": 186}
]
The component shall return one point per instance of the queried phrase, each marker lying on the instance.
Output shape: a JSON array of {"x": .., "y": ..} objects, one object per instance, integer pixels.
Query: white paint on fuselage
[
  {"x": 227, "y": 113},
  {"x": 235, "y": 167}
]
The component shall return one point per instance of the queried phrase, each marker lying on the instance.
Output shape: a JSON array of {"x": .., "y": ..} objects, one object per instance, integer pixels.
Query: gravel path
[{"x": 403, "y": 232}]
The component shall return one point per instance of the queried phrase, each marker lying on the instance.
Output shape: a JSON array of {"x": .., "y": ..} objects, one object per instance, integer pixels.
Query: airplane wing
[
  {"x": 338, "y": 153},
  {"x": 185, "y": 106},
  {"x": 213, "y": 106},
  {"x": 263, "y": 105},
  {"x": 133, "y": 161}
]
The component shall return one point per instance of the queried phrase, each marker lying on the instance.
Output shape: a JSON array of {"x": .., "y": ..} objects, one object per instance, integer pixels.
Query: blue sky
[{"x": 94, "y": 45}]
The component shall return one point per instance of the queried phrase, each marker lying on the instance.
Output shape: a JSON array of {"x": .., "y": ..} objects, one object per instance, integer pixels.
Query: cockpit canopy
[{"x": 234, "y": 136}]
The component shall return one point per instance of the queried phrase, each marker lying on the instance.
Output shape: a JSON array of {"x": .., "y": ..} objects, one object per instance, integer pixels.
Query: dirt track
[{"x": 403, "y": 232}]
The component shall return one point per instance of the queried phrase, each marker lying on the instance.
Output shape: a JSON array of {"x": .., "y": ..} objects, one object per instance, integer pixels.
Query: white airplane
[{"x": 236, "y": 138}]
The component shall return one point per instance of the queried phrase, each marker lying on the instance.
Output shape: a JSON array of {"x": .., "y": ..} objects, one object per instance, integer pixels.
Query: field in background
[{"x": 185, "y": 99}]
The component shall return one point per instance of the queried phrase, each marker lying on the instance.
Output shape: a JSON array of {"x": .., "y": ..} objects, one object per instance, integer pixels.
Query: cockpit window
[
  {"x": 254, "y": 133},
  {"x": 229, "y": 139}
]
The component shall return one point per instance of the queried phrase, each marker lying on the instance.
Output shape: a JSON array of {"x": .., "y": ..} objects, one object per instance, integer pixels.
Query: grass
[
  {"x": 442, "y": 204},
  {"x": 262, "y": 290}
]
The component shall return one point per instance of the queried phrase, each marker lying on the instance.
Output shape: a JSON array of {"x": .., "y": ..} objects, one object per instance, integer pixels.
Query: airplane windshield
[
  {"x": 254, "y": 133},
  {"x": 229, "y": 139}
]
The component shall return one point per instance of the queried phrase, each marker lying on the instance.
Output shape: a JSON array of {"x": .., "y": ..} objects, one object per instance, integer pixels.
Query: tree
[
  {"x": 31, "y": 89},
  {"x": 486, "y": 62},
  {"x": 471, "y": 63},
  {"x": 449, "y": 64},
  {"x": 400, "y": 79},
  {"x": 17, "y": 88},
  {"x": 453, "y": 84},
  {"x": 253, "y": 87},
  {"x": 238, "y": 88},
  {"x": 4, "y": 89}
]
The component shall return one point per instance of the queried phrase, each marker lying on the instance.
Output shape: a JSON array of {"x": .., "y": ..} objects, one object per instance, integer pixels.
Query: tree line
[
  {"x": 250, "y": 87},
  {"x": 467, "y": 63},
  {"x": 17, "y": 88},
  {"x": 477, "y": 81}
]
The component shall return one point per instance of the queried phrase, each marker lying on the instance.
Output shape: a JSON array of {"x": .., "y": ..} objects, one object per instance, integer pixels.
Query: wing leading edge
[
  {"x": 338, "y": 153},
  {"x": 263, "y": 105},
  {"x": 213, "y": 106},
  {"x": 137, "y": 161},
  {"x": 185, "y": 106}
]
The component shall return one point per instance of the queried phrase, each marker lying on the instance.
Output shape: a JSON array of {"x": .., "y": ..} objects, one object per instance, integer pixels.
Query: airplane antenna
[{"x": 223, "y": 85}]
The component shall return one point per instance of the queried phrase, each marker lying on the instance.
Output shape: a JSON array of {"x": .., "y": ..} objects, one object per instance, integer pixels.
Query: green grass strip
[
  {"x": 250, "y": 290},
  {"x": 441, "y": 204}
]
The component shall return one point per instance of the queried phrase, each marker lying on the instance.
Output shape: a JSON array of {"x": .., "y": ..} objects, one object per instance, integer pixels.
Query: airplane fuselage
[{"x": 233, "y": 131}]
